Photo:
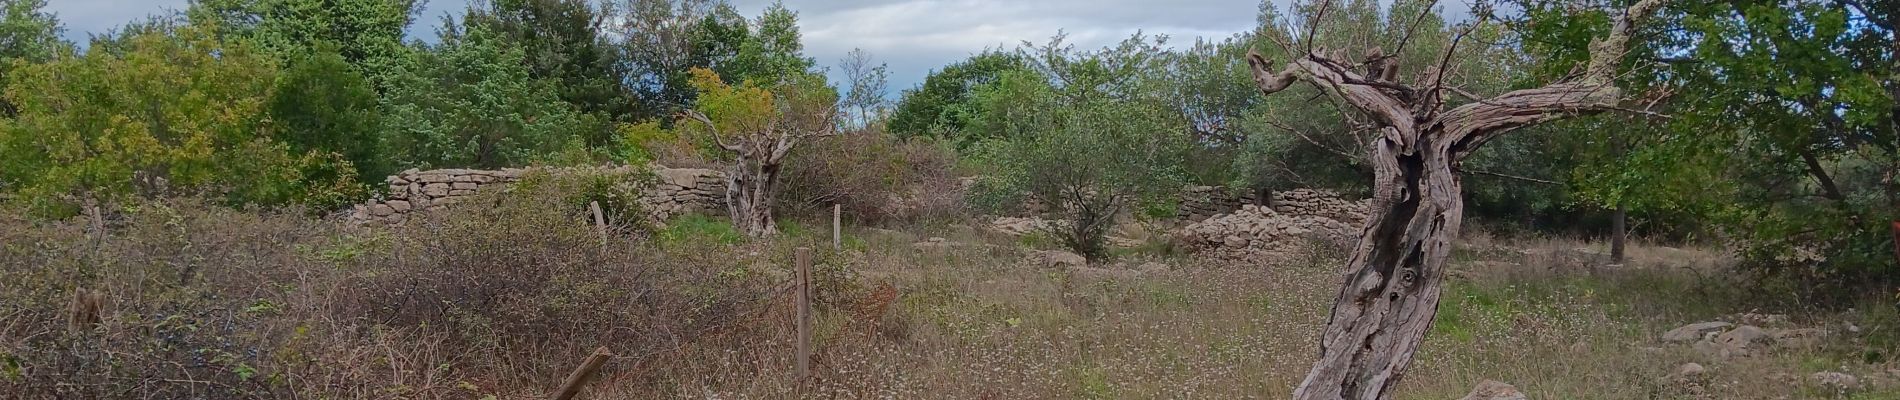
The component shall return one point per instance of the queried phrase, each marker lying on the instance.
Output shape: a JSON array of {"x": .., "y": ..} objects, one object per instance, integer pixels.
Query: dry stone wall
[
  {"x": 1295, "y": 219},
  {"x": 676, "y": 191}
]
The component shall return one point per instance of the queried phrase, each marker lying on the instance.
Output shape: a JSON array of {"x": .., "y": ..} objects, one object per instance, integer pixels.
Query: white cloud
[{"x": 913, "y": 36}]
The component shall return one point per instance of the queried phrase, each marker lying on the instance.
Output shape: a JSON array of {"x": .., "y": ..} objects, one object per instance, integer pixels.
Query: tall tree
[
  {"x": 1396, "y": 272},
  {"x": 1782, "y": 132},
  {"x": 173, "y": 111},
  {"x": 866, "y": 86},
  {"x": 321, "y": 103},
  {"x": 1089, "y": 134},
  {"x": 944, "y": 103},
  {"x": 27, "y": 34},
  {"x": 367, "y": 33},
  {"x": 471, "y": 101},
  {"x": 561, "y": 40}
]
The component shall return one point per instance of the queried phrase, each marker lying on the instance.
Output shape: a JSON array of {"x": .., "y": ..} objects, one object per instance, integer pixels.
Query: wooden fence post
[
  {"x": 579, "y": 377},
  {"x": 837, "y": 224},
  {"x": 600, "y": 220},
  {"x": 803, "y": 261}
]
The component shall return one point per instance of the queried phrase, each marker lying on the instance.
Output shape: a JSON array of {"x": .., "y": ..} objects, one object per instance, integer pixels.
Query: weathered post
[
  {"x": 579, "y": 378},
  {"x": 803, "y": 261},
  {"x": 837, "y": 226},
  {"x": 600, "y": 221}
]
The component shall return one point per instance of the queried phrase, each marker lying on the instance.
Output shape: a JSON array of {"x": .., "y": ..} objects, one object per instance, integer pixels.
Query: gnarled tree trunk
[
  {"x": 752, "y": 179},
  {"x": 1394, "y": 276},
  {"x": 750, "y": 185}
]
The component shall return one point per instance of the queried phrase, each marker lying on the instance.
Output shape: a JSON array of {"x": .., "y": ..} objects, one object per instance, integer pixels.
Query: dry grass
[{"x": 212, "y": 303}]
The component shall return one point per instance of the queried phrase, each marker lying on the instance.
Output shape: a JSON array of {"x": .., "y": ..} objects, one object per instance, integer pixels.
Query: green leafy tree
[
  {"x": 1087, "y": 134},
  {"x": 1781, "y": 130},
  {"x": 666, "y": 39},
  {"x": 173, "y": 112},
  {"x": 561, "y": 40},
  {"x": 471, "y": 101},
  {"x": 320, "y": 103},
  {"x": 945, "y": 102},
  {"x": 28, "y": 34},
  {"x": 366, "y": 33}
]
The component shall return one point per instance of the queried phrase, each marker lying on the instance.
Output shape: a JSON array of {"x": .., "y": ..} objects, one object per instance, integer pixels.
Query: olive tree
[
  {"x": 1396, "y": 272},
  {"x": 757, "y": 126}
]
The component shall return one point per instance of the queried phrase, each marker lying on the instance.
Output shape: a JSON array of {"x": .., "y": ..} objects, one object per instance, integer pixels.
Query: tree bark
[
  {"x": 749, "y": 188},
  {"x": 1394, "y": 277}
]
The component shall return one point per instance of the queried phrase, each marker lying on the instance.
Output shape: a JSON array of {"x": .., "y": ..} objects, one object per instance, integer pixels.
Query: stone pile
[
  {"x": 1299, "y": 217},
  {"x": 1723, "y": 340},
  {"x": 676, "y": 191}
]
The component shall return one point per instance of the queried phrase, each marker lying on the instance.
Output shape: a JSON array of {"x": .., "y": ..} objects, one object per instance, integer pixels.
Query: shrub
[
  {"x": 209, "y": 302},
  {"x": 877, "y": 178}
]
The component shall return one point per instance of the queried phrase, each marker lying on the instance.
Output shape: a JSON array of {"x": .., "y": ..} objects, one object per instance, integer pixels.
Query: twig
[{"x": 1509, "y": 176}]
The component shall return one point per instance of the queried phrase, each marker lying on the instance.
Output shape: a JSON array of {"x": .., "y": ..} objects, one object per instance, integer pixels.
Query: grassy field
[{"x": 213, "y": 303}]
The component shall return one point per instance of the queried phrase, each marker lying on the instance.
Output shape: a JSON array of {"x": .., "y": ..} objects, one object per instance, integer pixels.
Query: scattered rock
[
  {"x": 1017, "y": 226},
  {"x": 1059, "y": 258},
  {"x": 1686, "y": 374},
  {"x": 1494, "y": 390},
  {"x": 1835, "y": 380},
  {"x": 1803, "y": 337},
  {"x": 1745, "y": 337},
  {"x": 1762, "y": 319},
  {"x": 1693, "y": 332}
]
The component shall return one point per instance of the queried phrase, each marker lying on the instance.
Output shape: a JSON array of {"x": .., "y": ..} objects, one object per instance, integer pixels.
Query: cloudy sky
[{"x": 912, "y": 36}]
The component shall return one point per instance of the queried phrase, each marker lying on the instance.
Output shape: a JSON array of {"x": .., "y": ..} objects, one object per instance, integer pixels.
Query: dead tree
[
  {"x": 1394, "y": 276},
  {"x": 759, "y": 151}
]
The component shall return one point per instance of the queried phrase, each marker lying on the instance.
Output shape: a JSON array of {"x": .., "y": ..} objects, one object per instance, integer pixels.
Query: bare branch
[
  {"x": 1309, "y": 140},
  {"x": 717, "y": 138},
  {"x": 1509, "y": 176},
  {"x": 1410, "y": 29},
  {"x": 1269, "y": 82},
  {"x": 1605, "y": 52}
]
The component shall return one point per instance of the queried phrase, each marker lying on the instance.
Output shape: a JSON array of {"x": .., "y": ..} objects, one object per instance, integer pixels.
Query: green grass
[{"x": 700, "y": 228}]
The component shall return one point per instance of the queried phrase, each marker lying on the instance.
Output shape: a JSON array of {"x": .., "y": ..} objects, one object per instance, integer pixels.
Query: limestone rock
[
  {"x": 1835, "y": 380},
  {"x": 1744, "y": 337},
  {"x": 1494, "y": 390},
  {"x": 412, "y": 190},
  {"x": 1693, "y": 332},
  {"x": 1802, "y": 337},
  {"x": 1686, "y": 373},
  {"x": 1059, "y": 258}
]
